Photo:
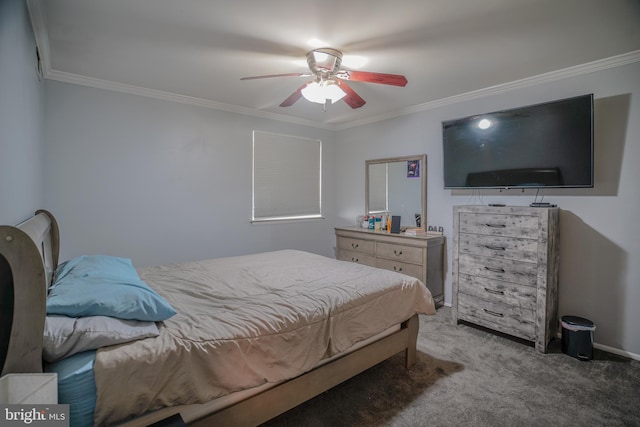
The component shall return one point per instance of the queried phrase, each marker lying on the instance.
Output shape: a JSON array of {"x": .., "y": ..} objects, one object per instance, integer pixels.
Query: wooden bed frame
[{"x": 28, "y": 257}]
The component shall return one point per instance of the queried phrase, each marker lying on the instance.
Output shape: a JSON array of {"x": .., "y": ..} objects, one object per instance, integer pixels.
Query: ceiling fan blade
[
  {"x": 277, "y": 75},
  {"x": 369, "y": 77},
  {"x": 294, "y": 96},
  {"x": 352, "y": 99}
]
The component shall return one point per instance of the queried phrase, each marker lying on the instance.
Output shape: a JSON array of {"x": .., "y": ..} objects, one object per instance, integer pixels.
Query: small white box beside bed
[{"x": 253, "y": 336}]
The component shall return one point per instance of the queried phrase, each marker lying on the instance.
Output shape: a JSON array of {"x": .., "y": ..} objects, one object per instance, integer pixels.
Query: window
[{"x": 286, "y": 177}]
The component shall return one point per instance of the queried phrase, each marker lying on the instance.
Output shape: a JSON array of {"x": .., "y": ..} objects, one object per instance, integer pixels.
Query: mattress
[
  {"x": 246, "y": 322},
  {"x": 77, "y": 387}
]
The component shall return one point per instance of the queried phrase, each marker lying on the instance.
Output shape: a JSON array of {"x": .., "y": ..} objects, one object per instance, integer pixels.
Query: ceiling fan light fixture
[
  {"x": 330, "y": 83},
  {"x": 319, "y": 92},
  {"x": 324, "y": 60}
]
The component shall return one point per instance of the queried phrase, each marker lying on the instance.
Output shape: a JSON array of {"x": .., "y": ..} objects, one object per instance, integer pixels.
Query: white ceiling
[{"x": 197, "y": 50}]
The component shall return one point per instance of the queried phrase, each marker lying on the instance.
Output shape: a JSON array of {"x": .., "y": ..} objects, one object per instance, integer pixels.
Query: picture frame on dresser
[{"x": 505, "y": 270}]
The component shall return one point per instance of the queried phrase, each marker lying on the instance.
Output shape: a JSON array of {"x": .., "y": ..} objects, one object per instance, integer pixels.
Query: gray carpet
[{"x": 466, "y": 376}]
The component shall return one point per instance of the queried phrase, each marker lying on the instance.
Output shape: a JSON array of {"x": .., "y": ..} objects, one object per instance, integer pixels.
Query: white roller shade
[{"x": 286, "y": 177}]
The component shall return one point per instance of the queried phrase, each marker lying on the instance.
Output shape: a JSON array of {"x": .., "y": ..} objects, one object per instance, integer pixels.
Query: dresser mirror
[{"x": 397, "y": 185}]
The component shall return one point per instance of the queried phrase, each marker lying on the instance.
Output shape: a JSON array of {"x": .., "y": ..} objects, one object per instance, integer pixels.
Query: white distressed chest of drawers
[
  {"x": 505, "y": 270},
  {"x": 417, "y": 256}
]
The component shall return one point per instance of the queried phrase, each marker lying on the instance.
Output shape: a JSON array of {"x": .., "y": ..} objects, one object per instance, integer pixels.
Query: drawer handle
[
  {"x": 496, "y": 225},
  {"x": 495, "y": 248},
  {"x": 354, "y": 259},
  {"x": 493, "y": 291},
  {"x": 493, "y": 313},
  {"x": 397, "y": 252},
  {"x": 397, "y": 269},
  {"x": 354, "y": 245},
  {"x": 495, "y": 270}
]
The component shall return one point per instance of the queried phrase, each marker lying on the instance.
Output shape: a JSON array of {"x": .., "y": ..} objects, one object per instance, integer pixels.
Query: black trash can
[{"x": 577, "y": 337}]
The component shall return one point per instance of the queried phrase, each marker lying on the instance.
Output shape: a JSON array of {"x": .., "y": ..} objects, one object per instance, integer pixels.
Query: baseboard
[
  {"x": 617, "y": 351},
  {"x": 602, "y": 347},
  {"x": 608, "y": 349}
]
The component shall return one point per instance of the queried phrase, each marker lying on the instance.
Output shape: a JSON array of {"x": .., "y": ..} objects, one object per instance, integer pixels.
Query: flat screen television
[{"x": 542, "y": 145}]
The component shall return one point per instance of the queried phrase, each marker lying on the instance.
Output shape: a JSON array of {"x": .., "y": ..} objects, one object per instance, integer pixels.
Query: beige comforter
[{"x": 244, "y": 321}]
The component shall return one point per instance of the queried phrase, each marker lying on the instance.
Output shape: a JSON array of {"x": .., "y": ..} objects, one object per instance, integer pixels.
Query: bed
[{"x": 252, "y": 336}]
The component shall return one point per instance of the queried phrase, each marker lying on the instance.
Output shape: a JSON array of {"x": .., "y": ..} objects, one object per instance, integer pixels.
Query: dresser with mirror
[{"x": 398, "y": 187}]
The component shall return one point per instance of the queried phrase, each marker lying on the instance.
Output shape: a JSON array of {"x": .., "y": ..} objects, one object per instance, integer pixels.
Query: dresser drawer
[
  {"x": 358, "y": 245},
  {"x": 510, "y": 319},
  {"x": 421, "y": 257},
  {"x": 524, "y": 226},
  {"x": 357, "y": 257},
  {"x": 524, "y": 273},
  {"x": 408, "y": 254},
  {"x": 497, "y": 291},
  {"x": 499, "y": 247},
  {"x": 412, "y": 270}
]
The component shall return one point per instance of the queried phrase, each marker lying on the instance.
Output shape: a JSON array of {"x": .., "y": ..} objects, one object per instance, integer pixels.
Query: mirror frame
[{"x": 423, "y": 181}]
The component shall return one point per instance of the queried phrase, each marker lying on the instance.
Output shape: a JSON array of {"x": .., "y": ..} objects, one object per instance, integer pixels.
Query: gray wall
[
  {"x": 158, "y": 181},
  {"x": 600, "y": 232},
  {"x": 21, "y": 116}
]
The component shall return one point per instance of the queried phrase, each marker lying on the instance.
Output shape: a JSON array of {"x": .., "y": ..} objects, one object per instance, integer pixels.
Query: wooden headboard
[{"x": 28, "y": 259}]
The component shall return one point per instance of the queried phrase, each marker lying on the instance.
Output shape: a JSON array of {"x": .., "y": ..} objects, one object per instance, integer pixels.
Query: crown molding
[
  {"x": 65, "y": 77},
  {"x": 40, "y": 33},
  {"x": 38, "y": 22},
  {"x": 578, "y": 70}
]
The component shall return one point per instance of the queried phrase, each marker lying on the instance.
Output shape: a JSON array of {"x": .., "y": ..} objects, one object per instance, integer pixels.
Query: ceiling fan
[{"x": 329, "y": 81}]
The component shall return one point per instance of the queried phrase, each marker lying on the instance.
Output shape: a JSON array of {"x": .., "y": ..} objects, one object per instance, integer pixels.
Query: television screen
[{"x": 543, "y": 145}]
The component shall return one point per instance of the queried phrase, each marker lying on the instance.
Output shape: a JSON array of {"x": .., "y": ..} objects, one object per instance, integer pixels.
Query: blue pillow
[{"x": 100, "y": 285}]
